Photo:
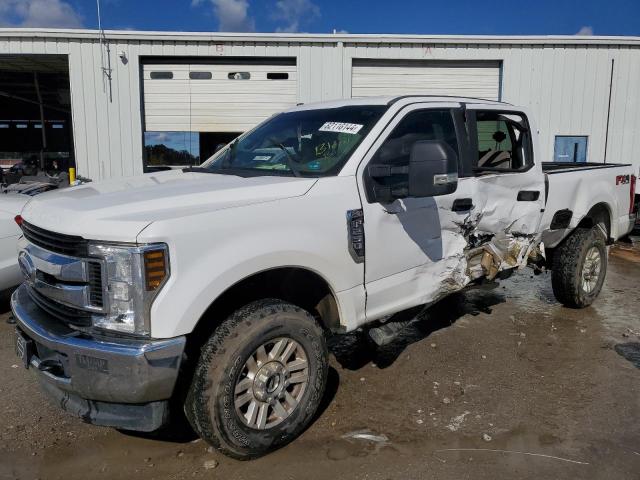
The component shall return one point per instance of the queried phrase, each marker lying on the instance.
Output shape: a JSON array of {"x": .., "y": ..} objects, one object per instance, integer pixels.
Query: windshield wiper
[{"x": 197, "y": 170}]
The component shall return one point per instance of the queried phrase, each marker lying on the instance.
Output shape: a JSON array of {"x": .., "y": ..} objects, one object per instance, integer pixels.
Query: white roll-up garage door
[
  {"x": 480, "y": 79},
  {"x": 215, "y": 97}
]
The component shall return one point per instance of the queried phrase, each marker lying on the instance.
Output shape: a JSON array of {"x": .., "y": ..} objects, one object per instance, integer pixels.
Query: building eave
[{"x": 222, "y": 37}]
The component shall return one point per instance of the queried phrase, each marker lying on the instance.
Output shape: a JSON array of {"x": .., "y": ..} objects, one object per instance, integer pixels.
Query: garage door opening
[
  {"x": 36, "y": 134},
  {"x": 191, "y": 106},
  {"x": 465, "y": 78},
  {"x": 166, "y": 150}
]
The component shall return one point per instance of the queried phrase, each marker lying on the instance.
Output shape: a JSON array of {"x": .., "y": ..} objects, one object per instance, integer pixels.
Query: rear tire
[
  {"x": 259, "y": 380},
  {"x": 580, "y": 267}
]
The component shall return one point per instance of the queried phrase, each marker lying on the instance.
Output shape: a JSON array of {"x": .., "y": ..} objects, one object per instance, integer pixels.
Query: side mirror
[{"x": 433, "y": 169}]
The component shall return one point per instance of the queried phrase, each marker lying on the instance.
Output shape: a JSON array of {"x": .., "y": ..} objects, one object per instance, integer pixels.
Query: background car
[{"x": 10, "y": 206}]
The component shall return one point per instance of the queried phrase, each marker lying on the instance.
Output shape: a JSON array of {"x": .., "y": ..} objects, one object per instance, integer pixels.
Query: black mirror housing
[{"x": 433, "y": 169}]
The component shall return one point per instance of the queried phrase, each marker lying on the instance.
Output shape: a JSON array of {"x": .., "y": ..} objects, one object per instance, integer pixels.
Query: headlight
[{"x": 133, "y": 275}]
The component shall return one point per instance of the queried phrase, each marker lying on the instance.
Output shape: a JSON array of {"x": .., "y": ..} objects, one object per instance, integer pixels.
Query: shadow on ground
[{"x": 356, "y": 349}]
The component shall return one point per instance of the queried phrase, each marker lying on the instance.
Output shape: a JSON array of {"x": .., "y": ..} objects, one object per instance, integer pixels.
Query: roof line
[
  {"x": 125, "y": 35},
  {"x": 457, "y": 97}
]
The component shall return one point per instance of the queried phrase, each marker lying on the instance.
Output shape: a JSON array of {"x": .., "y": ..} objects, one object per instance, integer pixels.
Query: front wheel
[
  {"x": 259, "y": 380},
  {"x": 579, "y": 267}
]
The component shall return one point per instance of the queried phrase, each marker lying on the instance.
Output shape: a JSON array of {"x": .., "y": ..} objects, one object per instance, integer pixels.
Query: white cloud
[
  {"x": 156, "y": 137},
  {"x": 295, "y": 12},
  {"x": 233, "y": 15},
  {"x": 586, "y": 31},
  {"x": 39, "y": 13}
]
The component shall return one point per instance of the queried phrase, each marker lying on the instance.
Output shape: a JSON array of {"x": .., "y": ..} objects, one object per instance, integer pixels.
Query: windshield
[{"x": 308, "y": 143}]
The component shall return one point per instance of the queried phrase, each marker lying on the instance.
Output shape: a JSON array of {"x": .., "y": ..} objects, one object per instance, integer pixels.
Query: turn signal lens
[
  {"x": 155, "y": 268},
  {"x": 18, "y": 219}
]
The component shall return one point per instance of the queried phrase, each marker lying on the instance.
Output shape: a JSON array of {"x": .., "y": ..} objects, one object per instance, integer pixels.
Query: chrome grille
[
  {"x": 68, "y": 315},
  {"x": 95, "y": 284},
  {"x": 61, "y": 279},
  {"x": 55, "y": 242}
]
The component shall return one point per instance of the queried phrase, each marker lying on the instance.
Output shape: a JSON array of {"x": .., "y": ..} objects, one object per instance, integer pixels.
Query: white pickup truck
[{"x": 210, "y": 290}]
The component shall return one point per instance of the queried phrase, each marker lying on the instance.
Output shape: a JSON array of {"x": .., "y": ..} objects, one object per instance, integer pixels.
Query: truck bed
[{"x": 574, "y": 189}]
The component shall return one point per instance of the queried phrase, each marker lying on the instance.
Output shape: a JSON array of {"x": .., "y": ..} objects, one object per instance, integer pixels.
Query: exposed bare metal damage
[{"x": 486, "y": 254}]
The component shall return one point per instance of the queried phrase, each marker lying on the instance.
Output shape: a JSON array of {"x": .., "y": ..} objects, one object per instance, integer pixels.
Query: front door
[{"x": 412, "y": 244}]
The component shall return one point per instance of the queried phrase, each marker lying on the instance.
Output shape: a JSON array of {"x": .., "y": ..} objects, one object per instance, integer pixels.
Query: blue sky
[{"x": 489, "y": 17}]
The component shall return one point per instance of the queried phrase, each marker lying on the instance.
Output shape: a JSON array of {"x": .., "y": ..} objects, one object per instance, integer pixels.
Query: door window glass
[
  {"x": 416, "y": 126},
  {"x": 503, "y": 142}
]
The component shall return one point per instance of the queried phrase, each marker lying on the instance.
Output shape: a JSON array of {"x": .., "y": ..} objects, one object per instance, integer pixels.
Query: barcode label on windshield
[{"x": 340, "y": 127}]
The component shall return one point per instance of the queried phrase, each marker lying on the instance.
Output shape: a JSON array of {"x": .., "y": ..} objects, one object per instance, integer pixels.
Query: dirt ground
[{"x": 501, "y": 383}]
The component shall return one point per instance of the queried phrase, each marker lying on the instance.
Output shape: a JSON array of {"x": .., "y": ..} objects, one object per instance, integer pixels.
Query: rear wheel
[
  {"x": 260, "y": 379},
  {"x": 580, "y": 267}
]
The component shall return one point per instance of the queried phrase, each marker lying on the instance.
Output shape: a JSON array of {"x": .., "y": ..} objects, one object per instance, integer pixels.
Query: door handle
[
  {"x": 462, "y": 204},
  {"x": 528, "y": 195}
]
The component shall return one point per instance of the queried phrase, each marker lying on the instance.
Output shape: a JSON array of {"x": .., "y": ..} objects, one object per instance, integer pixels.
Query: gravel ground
[{"x": 501, "y": 383}]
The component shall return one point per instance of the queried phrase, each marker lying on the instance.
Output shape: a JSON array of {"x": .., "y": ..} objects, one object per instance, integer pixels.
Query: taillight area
[
  {"x": 18, "y": 219},
  {"x": 632, "y": 195}
]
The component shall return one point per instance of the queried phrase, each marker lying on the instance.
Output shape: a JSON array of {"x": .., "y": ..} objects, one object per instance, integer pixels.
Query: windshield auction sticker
[{"x": 340, "y": 127}]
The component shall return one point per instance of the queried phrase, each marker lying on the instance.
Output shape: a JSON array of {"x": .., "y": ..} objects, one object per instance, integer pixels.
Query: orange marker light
[{"x": 155, "y": 268}]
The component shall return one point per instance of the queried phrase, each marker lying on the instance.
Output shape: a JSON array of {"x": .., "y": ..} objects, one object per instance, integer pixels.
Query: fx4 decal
[{"x": 622, "y": 179}]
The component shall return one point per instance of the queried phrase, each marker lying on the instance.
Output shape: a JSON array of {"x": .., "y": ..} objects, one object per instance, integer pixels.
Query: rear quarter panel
[{"x": 580, "y": 190}]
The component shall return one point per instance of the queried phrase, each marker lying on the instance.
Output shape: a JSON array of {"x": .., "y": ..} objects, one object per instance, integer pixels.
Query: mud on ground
[{"x": 500, "y": 383}]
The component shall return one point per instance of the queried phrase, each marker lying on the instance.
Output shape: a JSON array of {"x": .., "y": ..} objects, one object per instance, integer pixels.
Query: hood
[{"x": 117, "y": 210}]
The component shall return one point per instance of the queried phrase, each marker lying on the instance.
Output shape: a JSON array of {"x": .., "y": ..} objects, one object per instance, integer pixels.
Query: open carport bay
[
  {"x": 35, "y": 114},
  {"x": 502, "y": 383}
]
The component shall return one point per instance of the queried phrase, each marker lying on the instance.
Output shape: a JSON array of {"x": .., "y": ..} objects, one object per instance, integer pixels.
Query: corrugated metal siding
[
  {"x": 568, "y": 90},
  {"x": 566, "y": 86}
]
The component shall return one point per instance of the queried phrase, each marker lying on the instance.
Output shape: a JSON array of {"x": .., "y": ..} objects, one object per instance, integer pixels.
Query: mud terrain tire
[
  {"x": 569, "y": 259},
  {"x": 211, "y": 403}
]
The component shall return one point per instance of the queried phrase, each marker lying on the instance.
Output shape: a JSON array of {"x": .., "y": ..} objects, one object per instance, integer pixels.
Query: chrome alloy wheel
[
  {"x": 591, "y": 269},
  {"x": 271, "y": 383}
]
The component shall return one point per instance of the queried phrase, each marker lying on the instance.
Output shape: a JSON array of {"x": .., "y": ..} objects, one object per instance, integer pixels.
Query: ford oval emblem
[{"x": 27, "y": 267}]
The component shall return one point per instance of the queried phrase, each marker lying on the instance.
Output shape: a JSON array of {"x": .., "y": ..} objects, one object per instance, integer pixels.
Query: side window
[
  {"x": 416, "y": 126},
  {"x": 503, "y": 142}
]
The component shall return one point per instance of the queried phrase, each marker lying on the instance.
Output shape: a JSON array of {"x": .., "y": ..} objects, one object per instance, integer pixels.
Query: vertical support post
[{"x": 43, "y": 131}]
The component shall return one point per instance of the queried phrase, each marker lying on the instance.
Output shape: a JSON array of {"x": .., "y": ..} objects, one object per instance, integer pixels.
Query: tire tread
[
  {"x": 203, "y": 392},
  {"x": 567, "y": 266}
]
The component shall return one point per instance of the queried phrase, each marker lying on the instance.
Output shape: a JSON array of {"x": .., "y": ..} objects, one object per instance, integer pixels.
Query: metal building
[{"x": 144, "y": 100}]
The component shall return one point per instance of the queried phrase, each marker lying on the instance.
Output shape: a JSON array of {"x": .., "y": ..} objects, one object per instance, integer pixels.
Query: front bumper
[{"x": 95, "y": 373}]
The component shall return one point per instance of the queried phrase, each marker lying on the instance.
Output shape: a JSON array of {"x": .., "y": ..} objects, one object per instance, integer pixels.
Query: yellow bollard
[{"x": 72, "y": 175}]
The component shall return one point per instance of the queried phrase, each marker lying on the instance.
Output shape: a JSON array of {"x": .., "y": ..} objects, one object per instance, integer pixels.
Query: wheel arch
[
  {"x": 297, "y": 285},
  {"x": 599, "y": 213}
]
